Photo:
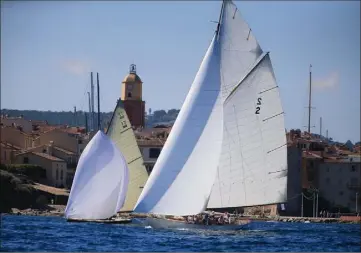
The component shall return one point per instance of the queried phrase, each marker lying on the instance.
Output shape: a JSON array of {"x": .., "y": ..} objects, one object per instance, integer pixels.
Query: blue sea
[{"x": 36, "y": 233}]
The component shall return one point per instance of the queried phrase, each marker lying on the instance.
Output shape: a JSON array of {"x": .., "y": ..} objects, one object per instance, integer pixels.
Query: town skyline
[{"x": 55, "y": 54}]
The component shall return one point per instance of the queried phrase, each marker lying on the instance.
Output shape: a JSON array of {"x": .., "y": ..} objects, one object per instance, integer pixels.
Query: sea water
[{"x": 36, "y": 233}]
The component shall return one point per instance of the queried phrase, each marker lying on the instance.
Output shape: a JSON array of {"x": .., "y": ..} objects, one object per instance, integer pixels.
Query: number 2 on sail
[{"x": 258, "y": 107}]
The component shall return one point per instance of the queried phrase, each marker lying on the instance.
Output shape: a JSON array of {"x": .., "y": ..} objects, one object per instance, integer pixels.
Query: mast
[
  {"x": 75, "y": 118},
  {"x": 98, "y": 101},
  {"x": 90, "y": 111},
  {"x": 320, "y": 127},
  {"x": 220, "y": 18},
  {"x": 309, "y": 102},
  {"x": 92, "y": 102},
  {"x": 86, "y": 123}
]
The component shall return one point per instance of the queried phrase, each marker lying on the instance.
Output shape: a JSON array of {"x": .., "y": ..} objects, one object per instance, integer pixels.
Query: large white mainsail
[
  {"x": 100, "y": 181},
  {"x": 253, "y": 164},
  {"x": 182, "y": 178},
  {"x": 121, "y": 133}
]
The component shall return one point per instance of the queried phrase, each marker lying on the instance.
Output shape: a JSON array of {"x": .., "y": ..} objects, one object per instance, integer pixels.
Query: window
[
  {"x": 26, "y": 160},
  {"x": 57, "y": 174},
  {"x": 129, "y": 94},
  {"x": 81, "y": 150},
  {"x": 61, "y": 175},
  {"x": 353, "y": 168},
  {"x": 154, "y": 152},
  {"x": 44, "y": 150},
  {"x": 80, "y": 141},
  {"x": 341, "y": 193}
]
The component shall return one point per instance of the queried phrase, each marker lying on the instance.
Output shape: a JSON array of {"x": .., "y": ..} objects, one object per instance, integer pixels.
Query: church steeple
[
  {"x": 131, "y": 96},
  {"x": 132, "y": 85}
]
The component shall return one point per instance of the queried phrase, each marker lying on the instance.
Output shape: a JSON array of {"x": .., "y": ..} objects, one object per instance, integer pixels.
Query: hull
[
  {"x": 176, "y": 224},
  {"x": 113, "y": 221}
]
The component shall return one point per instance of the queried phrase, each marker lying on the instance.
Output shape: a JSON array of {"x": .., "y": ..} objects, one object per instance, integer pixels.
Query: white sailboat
[
  {"x": 252, "y": 168},
  {"x": 100, "y": 182},
  {"x": 230, "y": 122}
]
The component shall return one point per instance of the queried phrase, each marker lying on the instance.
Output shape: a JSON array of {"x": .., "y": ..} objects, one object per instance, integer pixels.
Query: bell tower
[{"x": 131, "y": 96}]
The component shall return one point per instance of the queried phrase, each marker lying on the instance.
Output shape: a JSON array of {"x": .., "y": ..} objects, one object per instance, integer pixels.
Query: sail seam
[
  {"x": 268, "y": 89},
  {"x": 273, "y": 116},
  {"x": 276, "y": 148}
]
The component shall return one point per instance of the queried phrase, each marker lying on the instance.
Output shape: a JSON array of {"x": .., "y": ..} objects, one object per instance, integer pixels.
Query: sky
[{"x": 49, "y": 48}]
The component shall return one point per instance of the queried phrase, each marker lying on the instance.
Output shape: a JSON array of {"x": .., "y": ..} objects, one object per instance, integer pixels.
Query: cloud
[
  {"x": 76, "y": 67},
  {"x": 327, "y": 82}
]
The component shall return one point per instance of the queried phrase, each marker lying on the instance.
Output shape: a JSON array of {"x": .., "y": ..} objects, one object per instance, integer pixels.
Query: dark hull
[
  {"x": 115, "y": 221},
  {"x": 176, "y": 224}
]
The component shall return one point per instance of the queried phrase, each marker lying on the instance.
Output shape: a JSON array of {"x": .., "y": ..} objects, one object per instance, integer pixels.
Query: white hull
[{"x": 174, "y": 224}]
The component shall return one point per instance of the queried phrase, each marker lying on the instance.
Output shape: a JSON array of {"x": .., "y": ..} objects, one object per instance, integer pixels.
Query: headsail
[
  {"x": 122, "y": 134},
  {"x": 182, "y": 178},
  {"x": 253, "y": 165},
  {"x": 100, "y": 182}
]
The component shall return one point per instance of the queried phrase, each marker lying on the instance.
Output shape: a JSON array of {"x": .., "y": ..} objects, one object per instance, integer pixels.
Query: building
[
  {"x": 131, "y": 97},
  {"x": 339, "y": 182},
  {"x": 16, "y": 137},
  {"x": 55, "y": 168},
  {"x": 17, "y": 122}
]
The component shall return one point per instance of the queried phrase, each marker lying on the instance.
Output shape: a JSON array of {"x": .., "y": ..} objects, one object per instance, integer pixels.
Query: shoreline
[{"x": 58, "y": 211}]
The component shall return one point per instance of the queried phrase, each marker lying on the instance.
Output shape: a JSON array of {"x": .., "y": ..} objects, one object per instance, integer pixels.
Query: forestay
[
  {"x": 121, "y": 133},
  {"x": 100, "y": 182},
  {"x": 182, "y": 178},
  {"x": 253, "y": 164}
]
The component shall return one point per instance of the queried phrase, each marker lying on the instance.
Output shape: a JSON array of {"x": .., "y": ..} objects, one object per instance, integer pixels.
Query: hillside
[{"x": 69, "y": 118}]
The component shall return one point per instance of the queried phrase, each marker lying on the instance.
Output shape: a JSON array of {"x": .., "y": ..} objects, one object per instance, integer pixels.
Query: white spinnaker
[
  {"x": 182, "y": 178},
  {"x": 239, "y": 47},
  {"x": 254, "y": 153},
  {"x": 100, "y": 182}
]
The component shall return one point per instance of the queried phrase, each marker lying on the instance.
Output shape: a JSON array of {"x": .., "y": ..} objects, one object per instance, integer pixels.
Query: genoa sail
[
  {"x": 247, "y": 164},
  {"x": 100, "y": 182},
  {"x": 182, "y": 178},
  {"x": 121, "y": 133},
  {"x": 253, "y": 164}
]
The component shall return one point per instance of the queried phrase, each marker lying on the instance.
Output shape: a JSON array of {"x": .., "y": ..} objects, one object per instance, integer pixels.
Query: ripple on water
[{"x": 31, "y": 233}]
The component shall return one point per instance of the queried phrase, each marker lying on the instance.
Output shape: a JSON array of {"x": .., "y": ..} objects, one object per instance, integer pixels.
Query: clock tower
[{"x": 132, "y": 97}]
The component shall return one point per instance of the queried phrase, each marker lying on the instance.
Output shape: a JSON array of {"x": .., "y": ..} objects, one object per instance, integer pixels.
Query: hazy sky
[{"x": 48, "y": 49}]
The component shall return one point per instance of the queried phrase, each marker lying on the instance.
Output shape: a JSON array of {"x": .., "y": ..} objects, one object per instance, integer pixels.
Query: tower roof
[{"x": 132, "y": 77}]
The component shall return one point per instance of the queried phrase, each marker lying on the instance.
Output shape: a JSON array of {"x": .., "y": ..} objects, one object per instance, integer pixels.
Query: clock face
[{"x": 130, "y": 86}]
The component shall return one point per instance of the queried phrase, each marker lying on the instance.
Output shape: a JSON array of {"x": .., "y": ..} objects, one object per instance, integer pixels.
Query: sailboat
[
  {"x": 231, "y": 120},
  {"x": 100, "y": 183},
  {"x": 121, "y": 133}
]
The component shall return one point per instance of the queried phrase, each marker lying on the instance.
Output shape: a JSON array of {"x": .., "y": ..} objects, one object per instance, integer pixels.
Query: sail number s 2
[{"x": 258, "y": 108}]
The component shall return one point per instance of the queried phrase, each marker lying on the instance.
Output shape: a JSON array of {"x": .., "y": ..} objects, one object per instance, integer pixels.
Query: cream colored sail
[{"x": 122, "y": 134}]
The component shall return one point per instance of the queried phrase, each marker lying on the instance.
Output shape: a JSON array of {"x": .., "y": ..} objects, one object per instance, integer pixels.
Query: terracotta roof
[
  {"x": 150, "y": 143},
  {"x": 68, "y": 152},
  {"x": 9, "y": 145},
  {"x": 44, "y": 155},
  {"x": 52, "y": 190}
]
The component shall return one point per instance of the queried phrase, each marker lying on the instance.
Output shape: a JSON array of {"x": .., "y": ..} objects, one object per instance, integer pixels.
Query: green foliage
[
  {"x": 14, "y": 192},
  {"x": 33, "y": 172}
]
